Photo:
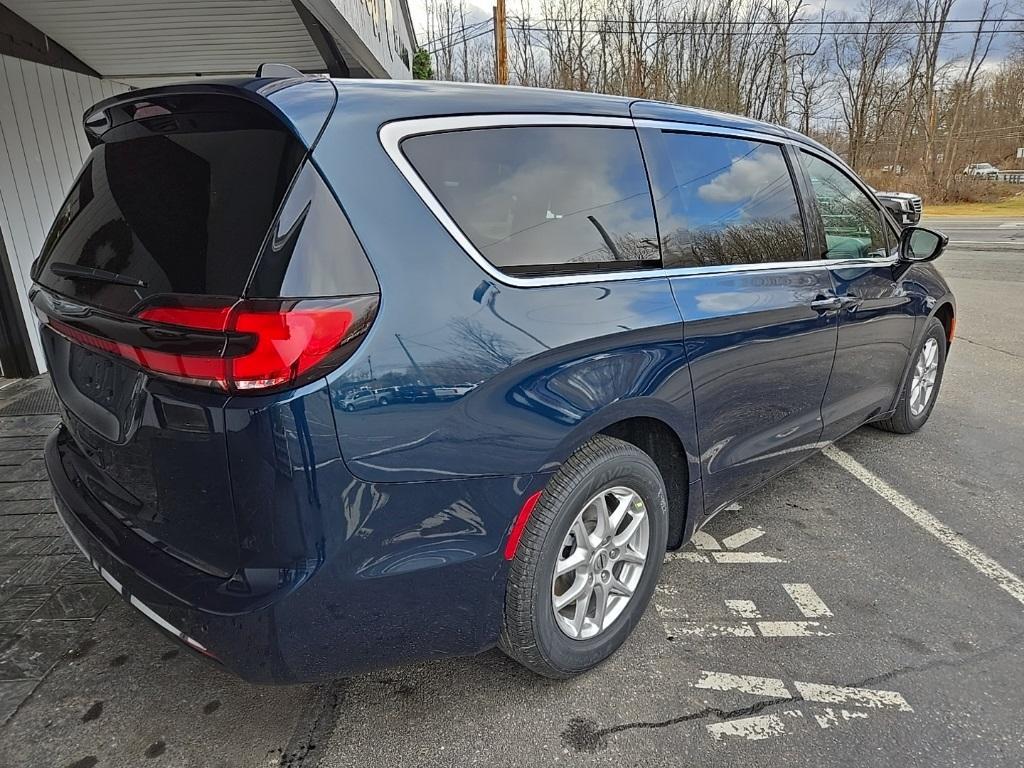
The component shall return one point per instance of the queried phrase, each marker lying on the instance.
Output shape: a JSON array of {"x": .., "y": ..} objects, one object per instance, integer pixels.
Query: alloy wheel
[
  {"x": 926, "y": 370},
  {"x": 600, "y": 563}
]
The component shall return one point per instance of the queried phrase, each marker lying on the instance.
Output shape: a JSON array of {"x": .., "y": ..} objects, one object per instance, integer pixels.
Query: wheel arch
[
  {"x": 946, "y": 313},
  {"x": 654, "y": 427}
]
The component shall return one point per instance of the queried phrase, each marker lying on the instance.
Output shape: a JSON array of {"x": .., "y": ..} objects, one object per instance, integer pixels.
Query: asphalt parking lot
[{"x": 866, "y": 608}]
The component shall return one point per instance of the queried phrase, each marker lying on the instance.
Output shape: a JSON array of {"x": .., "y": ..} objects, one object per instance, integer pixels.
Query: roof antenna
[{"x": 269, "y": 69}]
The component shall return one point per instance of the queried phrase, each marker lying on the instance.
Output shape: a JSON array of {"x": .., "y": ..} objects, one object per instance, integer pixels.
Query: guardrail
[{"x": 1012, "y": 177}]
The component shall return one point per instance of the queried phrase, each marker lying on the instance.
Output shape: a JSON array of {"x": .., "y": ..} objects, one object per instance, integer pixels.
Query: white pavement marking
[
  {"x": 753, "y": 728},
  {"x": 690, "y": 557},
  {"x": 1005, "y": 579},
  {"x": 774, "y": 724},
  {"x": 755, "y": 686},
  {"x": 742, "y": 538},
  {"x": 669, "y": 613},
  {"x": 830, "y": 717},
  {"x": 793, "y": 629},
  {"x": 744, "y": 609},
  {"x": 705, "y": 541},
  {"x": 807, "y": 600},
  {"x": 871, "y": 698},
  {"x": 725, "y": 558},
  {"x": 744, "y": 557},
  {"x": 711, "y": 629}
]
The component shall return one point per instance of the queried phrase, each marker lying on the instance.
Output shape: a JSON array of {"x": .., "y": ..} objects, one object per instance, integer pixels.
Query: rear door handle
[
  {"x": 827, "y": 304},
  {"x": 850, "y": 303}
]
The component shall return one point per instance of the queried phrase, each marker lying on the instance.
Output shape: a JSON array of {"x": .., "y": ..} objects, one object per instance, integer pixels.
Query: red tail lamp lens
[
  {"x": 287, "y": 343},
  {"x": 285, "y": 340}
]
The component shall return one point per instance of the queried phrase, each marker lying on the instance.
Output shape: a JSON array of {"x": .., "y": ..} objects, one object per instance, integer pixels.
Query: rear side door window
[
  {"x": 725, "y": 200},
  {"x": 853, "y": 225},
  {"x": 544, "y": 200}
]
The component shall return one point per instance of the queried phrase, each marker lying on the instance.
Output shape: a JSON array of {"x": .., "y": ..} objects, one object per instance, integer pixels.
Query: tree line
[{"x": 897, "y": 87}]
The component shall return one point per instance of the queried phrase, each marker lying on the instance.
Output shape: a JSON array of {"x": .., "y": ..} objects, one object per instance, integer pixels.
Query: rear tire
[
  {"x": 929, "y": 362},
  {"x": 605, "y": 474}
]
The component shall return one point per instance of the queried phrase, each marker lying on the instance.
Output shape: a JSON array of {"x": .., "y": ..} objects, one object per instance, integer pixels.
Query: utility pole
[
  {"x": 500, "y": 49},
  {"x": 415, "y": 365}
]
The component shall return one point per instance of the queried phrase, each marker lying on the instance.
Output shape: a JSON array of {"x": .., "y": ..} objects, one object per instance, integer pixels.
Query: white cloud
[{"x": 746, "y": 177}]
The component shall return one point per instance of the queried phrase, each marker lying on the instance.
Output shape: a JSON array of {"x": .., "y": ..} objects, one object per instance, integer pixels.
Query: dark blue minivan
[{"x": 363, "y": 373}]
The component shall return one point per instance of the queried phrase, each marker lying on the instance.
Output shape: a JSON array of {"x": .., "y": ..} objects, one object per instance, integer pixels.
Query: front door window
[{"x": 853, "y": 225}]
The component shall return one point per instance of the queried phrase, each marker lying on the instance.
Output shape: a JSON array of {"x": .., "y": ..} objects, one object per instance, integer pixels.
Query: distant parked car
[
  {"x": 451, "y": 391},
  {"x": 904, "y": 206},
  {"x": 386, "y": 395},
  {"x": 360, "y": 398},
  {"x": 981, "y": 171}
]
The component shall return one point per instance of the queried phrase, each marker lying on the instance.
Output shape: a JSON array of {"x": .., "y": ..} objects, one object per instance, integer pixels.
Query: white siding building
[{"x": 58, "y": 57}]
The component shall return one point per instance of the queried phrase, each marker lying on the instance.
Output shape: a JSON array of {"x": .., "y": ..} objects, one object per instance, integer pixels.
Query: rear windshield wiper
[{"x": 75, "y": 272}]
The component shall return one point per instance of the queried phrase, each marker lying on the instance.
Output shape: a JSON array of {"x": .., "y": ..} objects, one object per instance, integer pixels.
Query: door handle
[
  {"x": 850, "y": 303},
  {"x": 827, "y": 304}
]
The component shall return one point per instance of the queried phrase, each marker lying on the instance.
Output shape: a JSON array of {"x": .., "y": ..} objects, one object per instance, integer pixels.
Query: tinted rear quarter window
[
  {"x": 724, "y": 200},
  {"x": 545, "y": 199}
]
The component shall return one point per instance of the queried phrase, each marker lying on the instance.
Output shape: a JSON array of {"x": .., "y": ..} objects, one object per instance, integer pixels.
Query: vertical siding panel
[
  {"x": 77, "y": 110},
  {"x": 97, "y": 90},
  {"x": 44, "y": 144},
  {"x": 32, "y": 182},
  {"x": 20, "y": 212},
  {"x": 68, "y": 121},
  {"x": 53, "y": 126}
]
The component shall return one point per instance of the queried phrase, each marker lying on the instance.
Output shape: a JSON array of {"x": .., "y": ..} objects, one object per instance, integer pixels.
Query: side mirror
[{"x": 919, "y": 244}]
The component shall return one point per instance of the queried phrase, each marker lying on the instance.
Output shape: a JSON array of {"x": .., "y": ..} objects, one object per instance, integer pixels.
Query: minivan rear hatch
[{"x": 175, "y": 200}]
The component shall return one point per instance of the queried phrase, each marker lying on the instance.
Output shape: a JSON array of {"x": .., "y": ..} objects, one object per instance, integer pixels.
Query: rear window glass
[
  {"x": 181, "y": 202},
  {"x": 729, "y": 201},
  {"x": 544, "y": 200}
]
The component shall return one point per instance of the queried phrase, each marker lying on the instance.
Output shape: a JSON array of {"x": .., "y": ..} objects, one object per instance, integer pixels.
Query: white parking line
[
  {"x": 742, "y": 538},
  {"x": 755, "y": 686},
  {"x": 744, "y": 557},
  {"x": 753, "y": 728},
  {"x": 793, "y": 629},
  {"x": 689, "y": 557},
  {"x": 807, "y": 600},
  {"x": 872, "y": 698},
  {"x": 704, "y": 540},
  {"x": 713, "y": 629},
  {"x": 1003, "y": 578},
  {"x": 830, "y": 717},
  {"x": 744, "y": 609}
]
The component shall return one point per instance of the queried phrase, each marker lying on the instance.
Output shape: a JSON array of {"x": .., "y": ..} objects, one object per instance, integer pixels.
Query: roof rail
[{"x": 269, "y": 69}]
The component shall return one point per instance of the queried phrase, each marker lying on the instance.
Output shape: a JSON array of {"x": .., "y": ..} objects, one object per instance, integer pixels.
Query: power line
[
  {"x": 744, "y": 33},
  {"x": 800, "y": 22},
  {"x": 460, "y": 31},
  {"x": 456, "y": 43}
]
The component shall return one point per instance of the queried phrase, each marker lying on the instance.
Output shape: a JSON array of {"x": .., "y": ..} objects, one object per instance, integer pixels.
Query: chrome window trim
[{"x": 393, "y": 133}]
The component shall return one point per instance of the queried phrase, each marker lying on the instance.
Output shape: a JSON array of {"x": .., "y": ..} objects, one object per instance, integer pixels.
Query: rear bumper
[{"x": 418, "y": 575}]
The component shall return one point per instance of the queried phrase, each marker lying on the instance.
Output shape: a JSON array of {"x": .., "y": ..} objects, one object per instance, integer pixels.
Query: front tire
[
  {"x": 602, "y": 522},
  {"x": 921, "y": 389}
]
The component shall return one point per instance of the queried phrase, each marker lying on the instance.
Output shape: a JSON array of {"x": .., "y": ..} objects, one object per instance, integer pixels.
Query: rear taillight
[{"x": 248, "y": 346}]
